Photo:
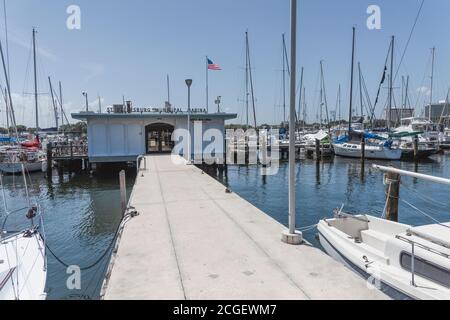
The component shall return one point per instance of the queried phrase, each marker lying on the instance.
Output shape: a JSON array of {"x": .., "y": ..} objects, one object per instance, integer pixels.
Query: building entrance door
[{"x": 158, "y": 138}]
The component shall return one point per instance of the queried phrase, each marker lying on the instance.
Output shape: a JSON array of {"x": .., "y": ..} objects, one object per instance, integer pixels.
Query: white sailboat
[
  {"x": 412, "y": 261},
  {"x": 384, "y": 250},
  {"x": 377, "y": 151},
  {"x": 23, "y": 262},
  {"x": 27, "y": 153}
]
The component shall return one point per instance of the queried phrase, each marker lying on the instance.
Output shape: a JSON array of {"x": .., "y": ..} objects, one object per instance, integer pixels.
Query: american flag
[{"x": 213, "y": 66}]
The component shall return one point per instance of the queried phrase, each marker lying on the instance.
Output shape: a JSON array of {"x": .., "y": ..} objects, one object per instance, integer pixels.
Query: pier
[
  {"x": 194, "y": 239},
  {"x": 72, "y": 155}
]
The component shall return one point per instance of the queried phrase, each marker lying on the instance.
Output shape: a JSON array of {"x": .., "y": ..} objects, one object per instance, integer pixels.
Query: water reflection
[
  {"x": 81, "y": 214},
  {"x": 323, "y": 186}
]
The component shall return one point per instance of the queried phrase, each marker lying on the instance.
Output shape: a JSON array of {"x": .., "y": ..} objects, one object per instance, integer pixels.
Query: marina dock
[{"x": 193, "y": 240}]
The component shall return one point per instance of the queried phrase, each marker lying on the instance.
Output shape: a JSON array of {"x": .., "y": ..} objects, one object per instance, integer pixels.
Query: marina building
[
  {"x": 124, "y": 132},
  {"x": 438, "y": 110},
  {"x": 398, "y": 113}
]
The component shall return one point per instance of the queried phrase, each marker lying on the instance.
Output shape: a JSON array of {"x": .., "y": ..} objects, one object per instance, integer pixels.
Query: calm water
[
  {"x": 81, "y": 214},
  {"x": 82, "y": 211}
]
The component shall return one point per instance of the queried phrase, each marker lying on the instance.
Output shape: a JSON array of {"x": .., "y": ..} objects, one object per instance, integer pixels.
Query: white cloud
[
  {"x": 41, "y": 50},
  {"x": 424, "y": 90}
]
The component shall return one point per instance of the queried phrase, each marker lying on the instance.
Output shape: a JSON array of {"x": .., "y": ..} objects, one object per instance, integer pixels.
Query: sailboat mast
[
  {"x": 5, "y": 94},
  {"x": 284, "y": 80},
  {"x": 61, "y": 104},
  {"x": 300, "y": 98},
  {"x": 351, "y": 83},
  {"x": 339, "y": 103},
  {"x": 433, "y": 50},
  {"x": 321, "y": 96},
  {"x": 246, "y": 78},
  {"x": 391, "y": 79},
  {"x": 55, "y": 108},
  {"x": 324, "y": 95},
  {"x": 13, "y": 116},
  {"x": 168, "y": 90},
  {"x": 304, "y": 108},
  {"x": 251, "y": 82},
  {"x": 360, "y": 91},
  {"x": 35, "y": 82}
]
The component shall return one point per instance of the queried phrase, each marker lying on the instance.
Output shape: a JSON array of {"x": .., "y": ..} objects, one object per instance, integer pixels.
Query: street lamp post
[
  {"x": 87, "y": 104},
  {"x": 189, "y": 83},
  {"x": 292, "y": 236}
]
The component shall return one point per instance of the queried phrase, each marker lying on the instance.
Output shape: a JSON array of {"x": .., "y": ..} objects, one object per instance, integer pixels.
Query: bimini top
[{"x": 137, "y": 115}]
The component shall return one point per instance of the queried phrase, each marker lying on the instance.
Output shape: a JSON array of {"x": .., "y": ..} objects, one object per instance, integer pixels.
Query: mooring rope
[{"x": 103, "y": 255}]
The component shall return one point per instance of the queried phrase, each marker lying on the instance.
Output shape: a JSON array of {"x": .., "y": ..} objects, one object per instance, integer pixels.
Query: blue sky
[{"x": 128, "y": 47}]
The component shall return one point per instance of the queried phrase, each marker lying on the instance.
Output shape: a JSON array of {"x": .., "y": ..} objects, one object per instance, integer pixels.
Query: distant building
[
  {"x": 125, "y": 132},
  {"x": 438, "y": 110},
  {"x": 398, "y": 113}
]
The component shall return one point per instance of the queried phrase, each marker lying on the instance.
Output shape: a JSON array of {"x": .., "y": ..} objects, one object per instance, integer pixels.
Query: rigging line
[
  {"x": 419, "y": 95},
  {"x": 425, "y": 214},
  {"x": 425, "y": 198},
  {"x": 27, "y": 70},
  {"x": 409, "y": 39},
  {"x": 6, "y": 39}
]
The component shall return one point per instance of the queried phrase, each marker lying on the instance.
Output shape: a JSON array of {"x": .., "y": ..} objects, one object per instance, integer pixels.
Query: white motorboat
[
  {"x": 372, "y": 151},
  {"x": 413, "y": 261}
]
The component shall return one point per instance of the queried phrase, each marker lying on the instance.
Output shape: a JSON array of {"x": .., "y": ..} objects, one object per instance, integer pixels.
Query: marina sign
[{"x": 154, "y": 110}]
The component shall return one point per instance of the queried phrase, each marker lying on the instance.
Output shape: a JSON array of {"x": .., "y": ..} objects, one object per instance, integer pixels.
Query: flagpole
[{"x": 207, "y": 88}]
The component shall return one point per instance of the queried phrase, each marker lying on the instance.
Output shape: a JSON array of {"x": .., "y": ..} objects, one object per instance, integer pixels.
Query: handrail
[{"x": 429, "y": 249}]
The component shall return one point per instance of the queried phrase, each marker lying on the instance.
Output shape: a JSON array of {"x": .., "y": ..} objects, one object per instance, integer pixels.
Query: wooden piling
[
  {"x": 49, "y": 159},
  {"x": 123, "y": 191},
  {"x": 392, "y": 181},
  {"x": 317, "y": 150},
  {"x": 416, "y": 148},
  {"x": 363, "y": 155}
]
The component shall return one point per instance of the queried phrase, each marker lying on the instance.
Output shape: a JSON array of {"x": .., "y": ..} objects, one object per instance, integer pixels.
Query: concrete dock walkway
[{"x": 192, "y": 240}]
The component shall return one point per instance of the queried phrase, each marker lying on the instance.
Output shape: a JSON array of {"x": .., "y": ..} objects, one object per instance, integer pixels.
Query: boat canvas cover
[
  {"x": 321, "y": 135},
  {"x": 405, "y": 134},
  {"x": 7, "y": 139}
]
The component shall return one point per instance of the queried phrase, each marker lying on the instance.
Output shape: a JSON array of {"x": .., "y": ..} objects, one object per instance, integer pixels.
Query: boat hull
[
  {"x": 16, "y": 168},
  {"x": 336, "y": 255},
  {"x": 370, "y": 153},
  {"x": 24, "y": 271}
]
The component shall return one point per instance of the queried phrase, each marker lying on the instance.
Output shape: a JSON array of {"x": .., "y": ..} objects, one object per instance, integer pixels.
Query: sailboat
[
  {"x": 23, "y": 261},
  {"x": 350, "y": 145},
  {"x": 28, "y": 153},
  {"x": 406, "y": 261}
]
